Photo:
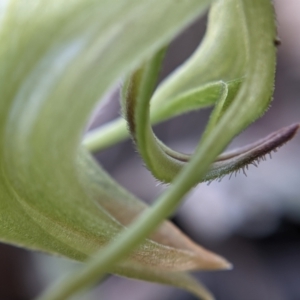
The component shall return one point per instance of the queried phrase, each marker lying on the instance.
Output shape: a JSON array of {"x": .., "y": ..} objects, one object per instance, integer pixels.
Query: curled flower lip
[
  {"x": 266, "y": 144},
  {"x": 239, "y": 159}
]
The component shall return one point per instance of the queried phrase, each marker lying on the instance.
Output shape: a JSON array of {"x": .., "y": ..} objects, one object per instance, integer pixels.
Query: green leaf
[{"x": 52, "y": 59}]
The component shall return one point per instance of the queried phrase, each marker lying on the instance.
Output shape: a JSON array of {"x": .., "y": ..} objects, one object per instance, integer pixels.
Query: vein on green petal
[{"x": 52, "y": 59}]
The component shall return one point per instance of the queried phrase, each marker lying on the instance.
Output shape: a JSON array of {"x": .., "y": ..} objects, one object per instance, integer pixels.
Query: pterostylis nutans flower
[{"x": 56, "y": 60}]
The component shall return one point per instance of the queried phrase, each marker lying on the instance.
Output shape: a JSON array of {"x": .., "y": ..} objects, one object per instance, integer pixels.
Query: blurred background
[{"x": 253, "y": 221}]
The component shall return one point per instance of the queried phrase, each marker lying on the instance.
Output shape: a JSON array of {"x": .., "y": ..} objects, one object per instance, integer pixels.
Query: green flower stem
[
  {"x": 251, "y": 100},
  {"x": 106, "y": 135}
]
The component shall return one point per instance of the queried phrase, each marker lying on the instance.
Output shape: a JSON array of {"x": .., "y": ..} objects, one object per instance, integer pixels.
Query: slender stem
[{"x": 106, "y": 135}]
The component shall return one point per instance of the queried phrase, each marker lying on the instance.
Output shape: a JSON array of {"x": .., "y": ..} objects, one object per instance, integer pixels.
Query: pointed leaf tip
[{"x": 216, "y": 262}]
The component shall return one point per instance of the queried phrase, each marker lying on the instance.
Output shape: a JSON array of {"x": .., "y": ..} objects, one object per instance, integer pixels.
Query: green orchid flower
[{"x": 56, "y": 60}]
